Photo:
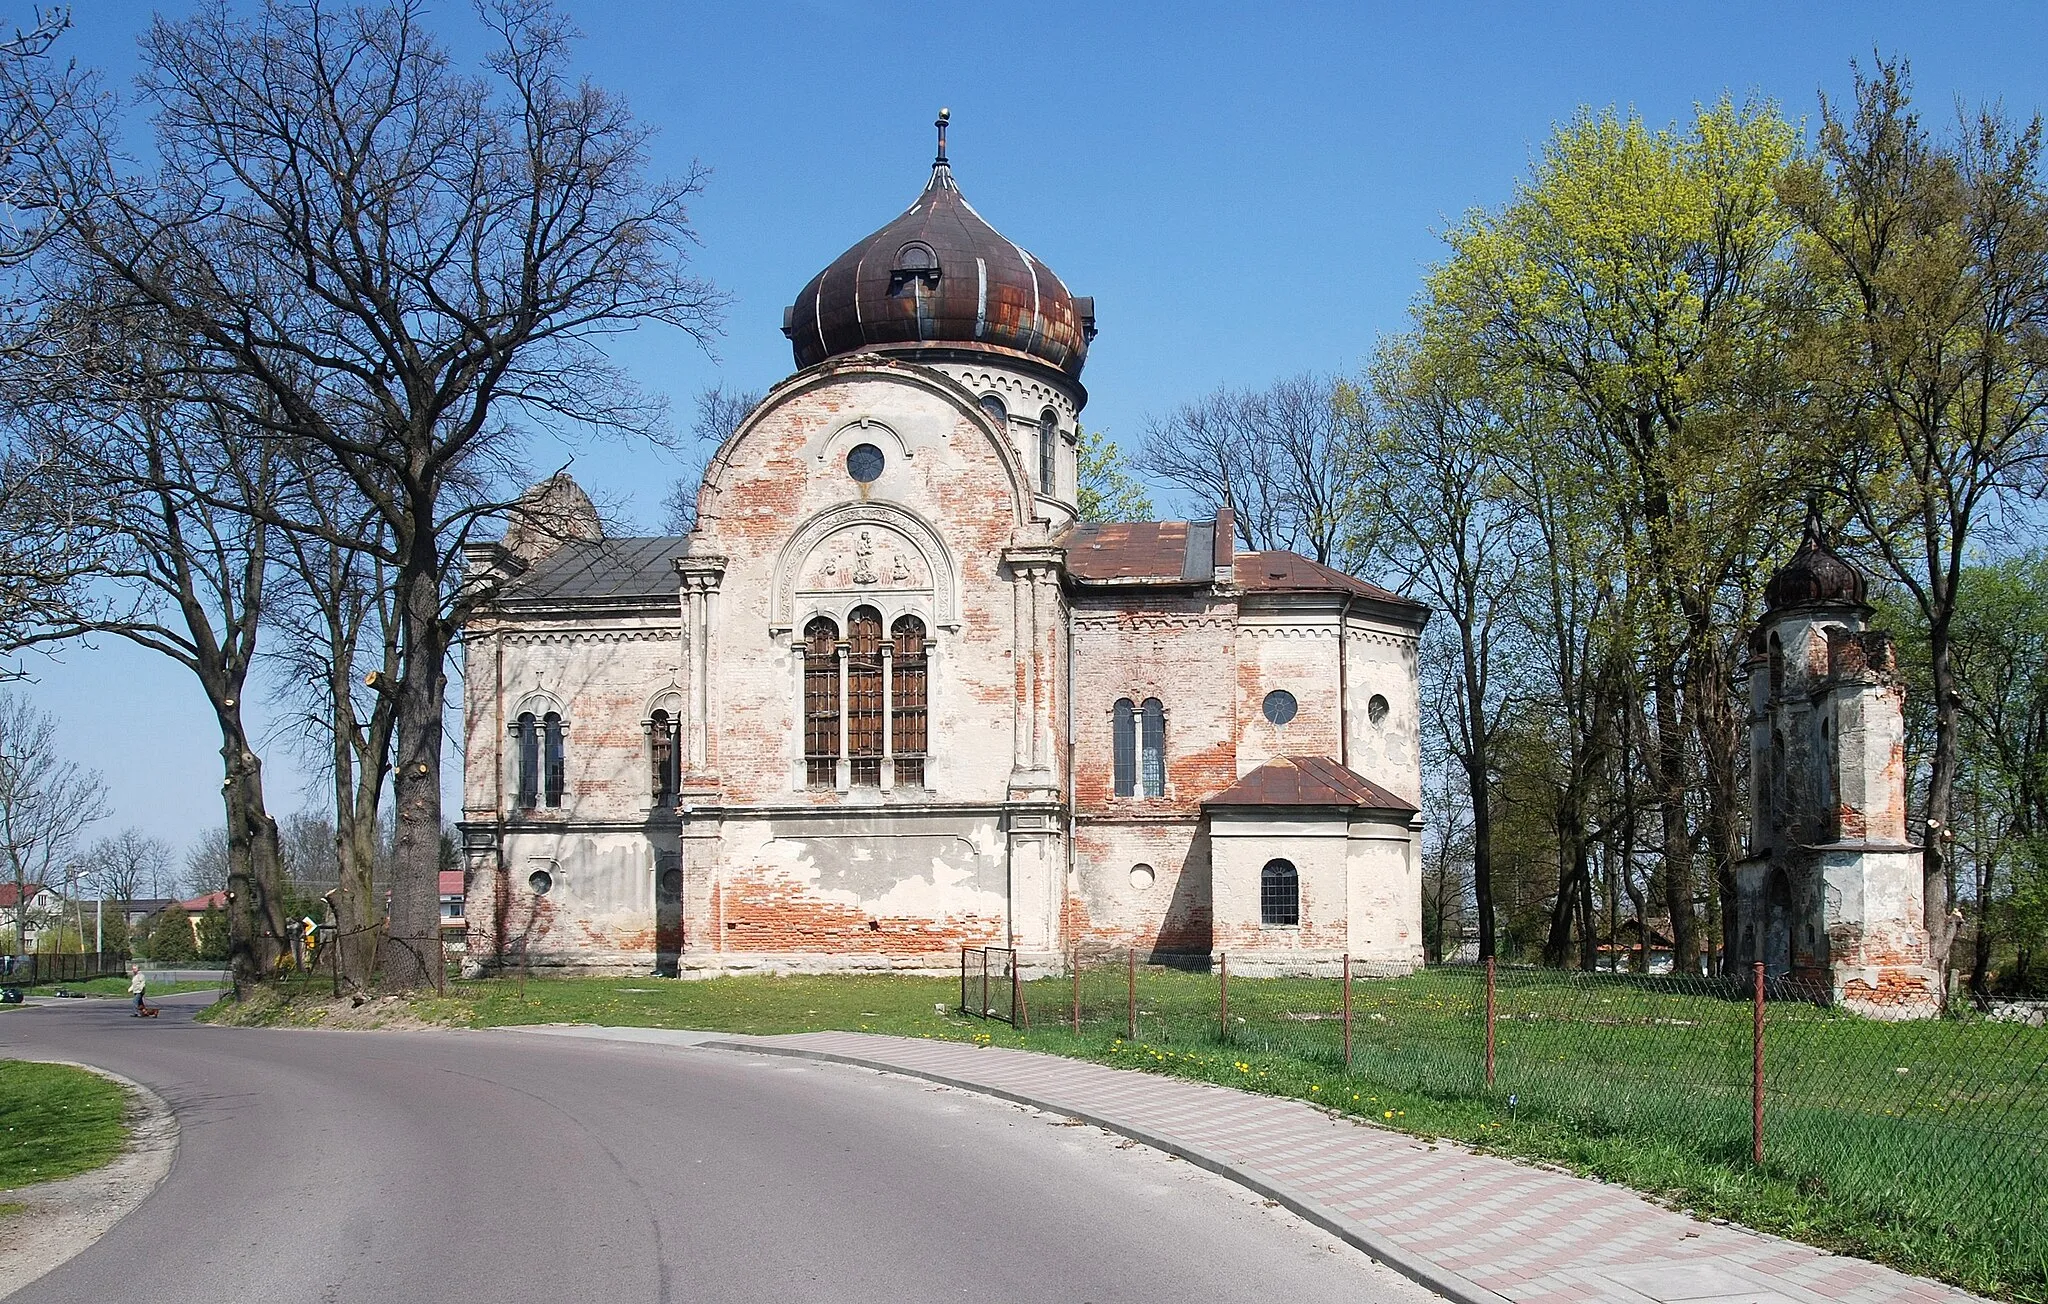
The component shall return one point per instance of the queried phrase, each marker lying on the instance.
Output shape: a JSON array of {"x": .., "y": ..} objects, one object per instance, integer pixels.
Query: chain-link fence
[{"x": 1930, "y": 1122}]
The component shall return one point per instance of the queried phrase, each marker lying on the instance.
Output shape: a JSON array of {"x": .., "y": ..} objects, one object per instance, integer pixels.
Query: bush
[
  {"x": 170, "y": 936},
  {"x": 213, "y": 934}
]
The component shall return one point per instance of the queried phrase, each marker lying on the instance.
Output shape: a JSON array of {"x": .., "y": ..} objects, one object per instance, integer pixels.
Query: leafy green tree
[
  {"x": 1641, "y": 284},
  {"x": 170, "y": 936},
  {"x": 214, "y": 943},
  {"x": 1109, "y": 492},
  {"x": 1932, "y": 369}
]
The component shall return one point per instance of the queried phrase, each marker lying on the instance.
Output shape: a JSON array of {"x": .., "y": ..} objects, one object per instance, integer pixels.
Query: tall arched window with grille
[
  {"x": 1048, "y": 448},
  {"x": 553, "y": 762},
  {"x": 1279, "y": 895},
  {"x": 1123, "y": 731},
  {"x": 864, "y": 697},
  {"x": 662, "y": 738},
  {"x": 526, "y": 748},
  {"x": 1153, "y": 747},
  {"x": 821, "y": 704},
  {"x": 907, "y": 700}
]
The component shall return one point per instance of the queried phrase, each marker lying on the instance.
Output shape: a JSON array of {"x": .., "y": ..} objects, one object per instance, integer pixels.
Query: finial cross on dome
[{"x": 944, "y": 116}]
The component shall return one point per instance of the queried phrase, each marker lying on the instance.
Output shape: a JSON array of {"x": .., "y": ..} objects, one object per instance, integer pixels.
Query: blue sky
[{"x": 1247, "y": 191}]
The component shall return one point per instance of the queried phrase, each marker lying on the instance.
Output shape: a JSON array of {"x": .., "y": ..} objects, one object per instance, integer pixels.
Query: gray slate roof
[{"x": 614, "y": 569}]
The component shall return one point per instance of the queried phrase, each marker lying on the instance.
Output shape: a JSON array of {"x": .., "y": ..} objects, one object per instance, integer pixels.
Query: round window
[
  {"x": 864, "y": 463},
  {"x": 1280, "y": 706},
  {"x": 1141, "y": 876},
  {"x": 671, "y": 885},
  {"x": 1376, "y": 709},
  {"x": 540, "y": 881}
]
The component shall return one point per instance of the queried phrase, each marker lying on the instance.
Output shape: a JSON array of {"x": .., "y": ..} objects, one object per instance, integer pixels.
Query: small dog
[{"x": 147, "y": 1012}]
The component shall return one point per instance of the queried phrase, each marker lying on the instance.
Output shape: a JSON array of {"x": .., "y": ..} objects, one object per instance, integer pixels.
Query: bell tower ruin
[{"x": 1830, "y": 893}]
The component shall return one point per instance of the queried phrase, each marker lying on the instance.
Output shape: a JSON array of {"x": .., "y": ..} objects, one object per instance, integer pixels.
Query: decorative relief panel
[
  {"x": 864, "y": 557},
  {"x": 866, "y": 547}
]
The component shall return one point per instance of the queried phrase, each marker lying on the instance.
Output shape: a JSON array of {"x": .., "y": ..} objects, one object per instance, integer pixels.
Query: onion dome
[
  {"x": 1816, "y": 576},
  {"x": 941, "y": 278}
]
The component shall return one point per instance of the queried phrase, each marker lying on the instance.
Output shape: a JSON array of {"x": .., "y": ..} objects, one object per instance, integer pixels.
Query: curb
[
  {"x": 1422, "y": 1271},
  {"x": 106, "y": 1194}
]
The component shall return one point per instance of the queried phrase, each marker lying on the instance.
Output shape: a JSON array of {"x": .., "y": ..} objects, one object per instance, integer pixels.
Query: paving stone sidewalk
[{"x": 1472, "y": 1227}]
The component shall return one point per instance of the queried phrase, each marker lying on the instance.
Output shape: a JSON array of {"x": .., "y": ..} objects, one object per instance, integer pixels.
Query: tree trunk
[
  {"x": 412, "y": 952},
  {"x": 1669, "y": 767},
  {"x": 1941, "y": 779},
  {"x": 256, "y": 904}
]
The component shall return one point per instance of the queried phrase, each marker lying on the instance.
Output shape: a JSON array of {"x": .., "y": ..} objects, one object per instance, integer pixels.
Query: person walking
[{"x": 138, "y": 985}]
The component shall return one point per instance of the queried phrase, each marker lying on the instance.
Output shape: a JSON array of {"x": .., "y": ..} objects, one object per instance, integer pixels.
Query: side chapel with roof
[{"x": 890, "y": 697}]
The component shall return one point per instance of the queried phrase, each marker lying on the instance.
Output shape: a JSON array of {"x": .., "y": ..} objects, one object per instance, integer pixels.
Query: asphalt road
[{"x": 502, "y": 1166}]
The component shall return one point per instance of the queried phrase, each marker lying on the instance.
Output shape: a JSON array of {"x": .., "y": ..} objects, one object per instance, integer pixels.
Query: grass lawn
[
  {"x": 56, "y": 1120},
  {"x": 1923, "y": 1145}
]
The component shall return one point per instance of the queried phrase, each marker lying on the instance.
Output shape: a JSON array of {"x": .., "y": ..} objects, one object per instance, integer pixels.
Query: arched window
[
  {"x": 864, "y": 696},
  {"x": 993, "y": 405},
  {"x": 1777, "y": 667},
  {"x": 526, "y": 740},
  {"x": 907, "y": 687},
  {"x": 1279, "y": 895},
  {"x": 821, "y": 704},
  {"x": 1124, "y": 735},
  {"x": 1153, "y": 747},
  {"x": 551, "y": 758},
  {"x": 1048, "y": 446},
  {"x": 662, "y": 739}
]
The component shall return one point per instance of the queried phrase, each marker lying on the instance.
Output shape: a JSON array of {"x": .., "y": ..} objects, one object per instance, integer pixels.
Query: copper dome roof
[
  {"x": 940, "y": 277},
  {"x": 1816, "y": 576}
]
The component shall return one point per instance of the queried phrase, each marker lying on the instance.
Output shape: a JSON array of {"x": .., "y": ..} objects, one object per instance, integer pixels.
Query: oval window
[
  {"x": 864, "y": 463},
  {"x": 1280, "y": 706},
  {"x": 1141, "y": 876},
  {"x": 540, "y": 881},
  {"x": 1376, "y": 709}
]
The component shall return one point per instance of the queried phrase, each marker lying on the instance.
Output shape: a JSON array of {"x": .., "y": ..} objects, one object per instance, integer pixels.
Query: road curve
[{"x": 479, "y": 1166}]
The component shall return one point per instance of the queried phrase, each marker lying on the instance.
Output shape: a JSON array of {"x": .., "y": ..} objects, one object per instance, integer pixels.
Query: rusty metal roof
[
  {"x": 940, "y": 276},
  {"x": 1307, "y": 781},
  {"x": 1287, "y": 572},
  {"x": 1156, "y": 552}
]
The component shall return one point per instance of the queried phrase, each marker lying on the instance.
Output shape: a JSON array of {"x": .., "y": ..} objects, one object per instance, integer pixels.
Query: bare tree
[
  {"x": 130, "y": 865},
  {"x": 46, "y": 802},
  {"x": 187, "y": 491},
  {"x": 1274, "y": 456},
  {"x": 403, "y": 258},
  {"x": 340, "y": 652},
  {"x": 719, "y": 414},
  {"x": 1426, "y": 475}
]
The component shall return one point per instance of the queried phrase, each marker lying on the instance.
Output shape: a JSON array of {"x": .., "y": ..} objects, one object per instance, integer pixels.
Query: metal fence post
[
  {"x": 984, "y": 982},
  {"x": 1131, "y": 985},
  {"x": 1347, "y": 1012},
  {"x": 1756, "y": 1072},
  {"x": 1020, "y": 1010},
  {"x": 1489, "y": 1021},
  {"x": 963, "y": 980},
  {"x": 1223, "y": 1003},
  {"x": 1077, "y": 991}
]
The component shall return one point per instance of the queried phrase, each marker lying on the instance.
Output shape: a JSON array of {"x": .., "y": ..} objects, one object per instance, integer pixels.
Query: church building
[{"x": 891, "y": 697}]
